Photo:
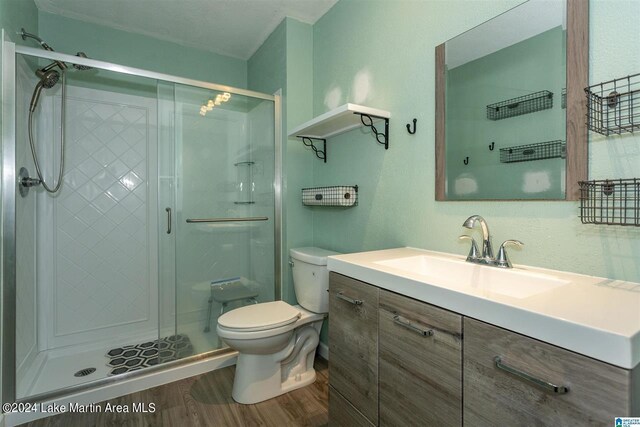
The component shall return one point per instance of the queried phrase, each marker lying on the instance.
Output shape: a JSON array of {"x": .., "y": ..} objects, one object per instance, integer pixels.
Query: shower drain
[{"x": 84, "y": 372}]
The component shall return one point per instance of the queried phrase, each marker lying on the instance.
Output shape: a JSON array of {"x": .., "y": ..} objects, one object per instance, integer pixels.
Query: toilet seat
[
  {"x": 259, "y": 317},
  {"x": 306, "y": 317}
]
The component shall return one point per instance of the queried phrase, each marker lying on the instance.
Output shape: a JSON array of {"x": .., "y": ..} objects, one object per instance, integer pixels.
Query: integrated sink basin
[
  {"x": 593, "y": 316},
  {"x": 458, "y": 274}
]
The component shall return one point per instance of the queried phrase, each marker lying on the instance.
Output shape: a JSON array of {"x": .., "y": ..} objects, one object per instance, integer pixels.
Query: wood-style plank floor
[{"x": 205, "y": 400}]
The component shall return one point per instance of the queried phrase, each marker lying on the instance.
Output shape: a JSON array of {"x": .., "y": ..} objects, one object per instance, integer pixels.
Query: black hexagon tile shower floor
[{"x": 133, "y": 357}]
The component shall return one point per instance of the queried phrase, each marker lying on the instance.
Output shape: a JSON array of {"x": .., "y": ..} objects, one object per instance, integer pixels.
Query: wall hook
[
  {"x": 466, "y": 160},
  {"x": 492, "y": 146},
  {"x": 414, "y": 127}
]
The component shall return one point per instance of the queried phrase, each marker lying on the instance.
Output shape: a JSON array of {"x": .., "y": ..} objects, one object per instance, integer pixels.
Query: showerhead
[
  {"x": 48, "y": 79},
  {"x": 82, "y": 67}
]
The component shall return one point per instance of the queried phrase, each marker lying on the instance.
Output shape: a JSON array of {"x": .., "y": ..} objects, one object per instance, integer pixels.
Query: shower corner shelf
[
  {"x": 341, "y": 120},
  {"x": 610, "y": 202},
  {"x": 613, "y": 107},
  {"x": 526, "y": 104},
  {"x": 244, "y": 182},
  {"x": 531, "y": 152}
]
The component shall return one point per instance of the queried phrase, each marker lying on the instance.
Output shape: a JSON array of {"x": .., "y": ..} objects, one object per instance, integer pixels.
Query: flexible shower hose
[{"x": 62, "y": 137}]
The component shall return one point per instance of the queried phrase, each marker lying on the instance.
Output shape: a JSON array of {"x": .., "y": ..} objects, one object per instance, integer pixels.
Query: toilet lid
[{"x": 259, "y": 317}]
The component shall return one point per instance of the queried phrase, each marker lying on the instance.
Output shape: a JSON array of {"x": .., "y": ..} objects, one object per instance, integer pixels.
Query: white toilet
[{"x": 276, "y": 342}]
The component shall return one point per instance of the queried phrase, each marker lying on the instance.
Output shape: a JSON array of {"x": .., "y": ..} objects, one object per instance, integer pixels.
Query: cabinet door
[
  {"x": 342, "y": 413},
  {"x": 507, "y": 395},
  {"x": 420, "y": 363},
  {"x": 353, "y": 342}
]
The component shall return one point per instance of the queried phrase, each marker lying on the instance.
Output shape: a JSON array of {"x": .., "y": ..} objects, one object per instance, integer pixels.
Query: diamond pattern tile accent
[
  {"x": 117, "y": 191},
  {"x": 89, "y": 167},
  {"x": 130, "y": 180},
  {"x": 101, "y": 234},
  {"x": 117, "y": 168}
]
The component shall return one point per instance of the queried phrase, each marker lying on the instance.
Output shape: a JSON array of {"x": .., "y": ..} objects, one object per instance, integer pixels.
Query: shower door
[
  {"x": 216, "y": 211},
  {"x": 166, "y": 217}
]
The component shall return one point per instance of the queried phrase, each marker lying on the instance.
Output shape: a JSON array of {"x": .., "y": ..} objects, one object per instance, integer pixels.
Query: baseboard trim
[{"x": 323, "y": 351}]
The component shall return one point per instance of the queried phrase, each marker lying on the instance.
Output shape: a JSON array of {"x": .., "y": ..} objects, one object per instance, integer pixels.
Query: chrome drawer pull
[
  {"x": 349, "y": 300},
  {"x": 555, "y": 389},
  {"x": 409, "y": 325}
]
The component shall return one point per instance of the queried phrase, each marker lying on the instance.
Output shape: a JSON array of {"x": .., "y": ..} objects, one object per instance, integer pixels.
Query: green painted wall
[
  {"x": 529, "y": 66},
  {"x": 381, "y": 53},
  {"x": 15, "y": 14},
  {"x": 140, "y": 51},
  {"x": 284, "y": 61},
  {"x": 135, "y": 50}
]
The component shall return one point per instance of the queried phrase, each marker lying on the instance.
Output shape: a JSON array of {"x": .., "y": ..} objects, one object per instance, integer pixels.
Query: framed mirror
[{"x": 510, "y": 105}]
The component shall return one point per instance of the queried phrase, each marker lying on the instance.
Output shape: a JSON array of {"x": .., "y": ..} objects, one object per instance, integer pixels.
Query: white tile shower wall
[
  {"x": 26, "y": 290},
  {"x": 98, "y": 263}
]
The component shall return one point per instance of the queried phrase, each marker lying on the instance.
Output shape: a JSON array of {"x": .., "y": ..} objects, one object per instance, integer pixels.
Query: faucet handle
[
  {"x": 502, "y": 260},
  {"x": 473, "y": 252}
]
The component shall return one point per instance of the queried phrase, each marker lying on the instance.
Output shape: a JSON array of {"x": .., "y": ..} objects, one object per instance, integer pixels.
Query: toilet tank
[{"x": 311, "y": 277}]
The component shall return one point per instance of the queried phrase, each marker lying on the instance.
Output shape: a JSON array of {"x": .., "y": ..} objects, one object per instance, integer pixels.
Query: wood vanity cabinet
[
  {"x": 420, "y": 357},
  {"x": 343, "y": 414},
  {"x": 410, "y": 360},
  {"x": 493, "y": 396},
  {"x": 353, "y": 349},
  {"x": 391, "y": 352}
]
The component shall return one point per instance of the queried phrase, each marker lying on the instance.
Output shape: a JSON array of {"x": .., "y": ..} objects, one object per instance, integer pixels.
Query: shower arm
[
  {"x": 50, "y": 66},
  {"x": 22, "y": 33}
]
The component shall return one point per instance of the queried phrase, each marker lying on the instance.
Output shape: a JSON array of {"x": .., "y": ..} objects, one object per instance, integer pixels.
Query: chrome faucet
[
  {"x": 487, "y": 257},
  {"x": 487, "y": 250}
]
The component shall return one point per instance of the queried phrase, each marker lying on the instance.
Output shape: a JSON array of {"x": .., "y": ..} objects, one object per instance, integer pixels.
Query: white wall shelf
[{"x": 340, "y": 120}]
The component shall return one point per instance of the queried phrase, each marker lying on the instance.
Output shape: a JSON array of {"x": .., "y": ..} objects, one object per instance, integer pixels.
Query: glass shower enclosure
[{"x": 168, "y": 215}]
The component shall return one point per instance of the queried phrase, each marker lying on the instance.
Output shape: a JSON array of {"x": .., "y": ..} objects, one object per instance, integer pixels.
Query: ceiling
[{"x": 234, "y": 28}]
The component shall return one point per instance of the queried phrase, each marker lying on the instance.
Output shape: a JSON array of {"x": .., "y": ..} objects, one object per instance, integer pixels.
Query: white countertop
[{"x": 597, "y": 317}]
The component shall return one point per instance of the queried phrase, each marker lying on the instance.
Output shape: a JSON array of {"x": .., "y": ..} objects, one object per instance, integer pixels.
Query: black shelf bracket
[
  {"x": 378, "y": 135},
  {"x": 308, "y": 141}
]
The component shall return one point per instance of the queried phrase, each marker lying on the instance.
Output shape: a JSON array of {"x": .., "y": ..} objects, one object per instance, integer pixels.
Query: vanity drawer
[
  {"x": 342, "y": 413},
  {"x": 353, "y": 342},
  {"x": 420, "y": 363},
  {"x": 597, "y": 392}
]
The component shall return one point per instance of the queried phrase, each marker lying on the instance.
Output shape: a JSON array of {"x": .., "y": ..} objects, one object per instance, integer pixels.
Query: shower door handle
[
  {"x": 206, "y": 220},
  {"x": 168, "y": 220}
]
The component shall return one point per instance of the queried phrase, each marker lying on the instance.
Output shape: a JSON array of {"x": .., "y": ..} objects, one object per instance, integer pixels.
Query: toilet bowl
[{"x": 276, "y": 341}]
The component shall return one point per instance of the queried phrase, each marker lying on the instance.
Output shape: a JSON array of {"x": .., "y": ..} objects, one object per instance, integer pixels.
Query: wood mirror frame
[{"x": 577, "y": 79}]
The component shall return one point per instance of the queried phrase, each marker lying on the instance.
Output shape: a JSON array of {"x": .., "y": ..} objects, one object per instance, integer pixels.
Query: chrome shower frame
[{"x": 10, "y": 188}]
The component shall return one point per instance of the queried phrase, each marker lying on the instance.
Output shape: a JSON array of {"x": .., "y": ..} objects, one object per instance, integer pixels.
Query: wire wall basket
[
  {"x": 526, "y": 104},
  {"x": 337, "y": 195},
  {"x": 610, "y": 202},
  {"x": 613, "y": 107},
  {"x": 530, "y": 152}
]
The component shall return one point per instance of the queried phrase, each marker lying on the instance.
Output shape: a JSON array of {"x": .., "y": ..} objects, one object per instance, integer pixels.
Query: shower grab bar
[{"x": 246, "y": 219}]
